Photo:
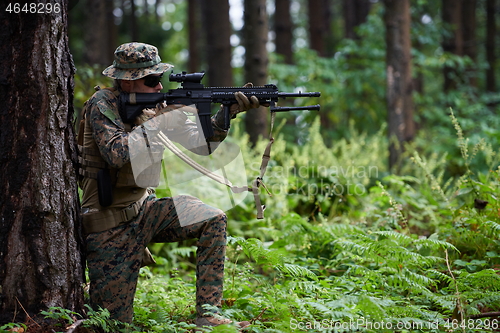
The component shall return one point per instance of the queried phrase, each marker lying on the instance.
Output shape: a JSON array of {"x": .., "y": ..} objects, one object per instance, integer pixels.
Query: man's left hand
[{"x": 244, "y": 103}]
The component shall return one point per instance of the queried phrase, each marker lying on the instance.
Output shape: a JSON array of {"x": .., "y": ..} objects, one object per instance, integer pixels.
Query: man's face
[{"x": 138, "y": 86}]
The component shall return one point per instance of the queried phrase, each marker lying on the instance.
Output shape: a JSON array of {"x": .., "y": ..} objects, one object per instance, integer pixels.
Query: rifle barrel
[
  {"x": 295, "y": 108},
  {"x": 299, "y": 94}
]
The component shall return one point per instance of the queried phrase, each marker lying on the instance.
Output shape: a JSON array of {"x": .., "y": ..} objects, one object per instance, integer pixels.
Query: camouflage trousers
[{"x": 114, "y": 256}]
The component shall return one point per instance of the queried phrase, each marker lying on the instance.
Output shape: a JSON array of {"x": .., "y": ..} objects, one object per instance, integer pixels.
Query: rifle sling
[{"x": 221, "y": 179}]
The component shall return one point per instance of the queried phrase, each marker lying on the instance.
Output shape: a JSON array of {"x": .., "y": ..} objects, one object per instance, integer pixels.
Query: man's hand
[
  {"x": 164, "y": 117},
  {"x": 147, "y": 114},
  {"x": 244, "y": 103},
  {"x": 173, "y": 116}
]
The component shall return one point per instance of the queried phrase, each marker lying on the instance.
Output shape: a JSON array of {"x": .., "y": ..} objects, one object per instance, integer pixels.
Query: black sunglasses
[{"x": 152, "y": 80}]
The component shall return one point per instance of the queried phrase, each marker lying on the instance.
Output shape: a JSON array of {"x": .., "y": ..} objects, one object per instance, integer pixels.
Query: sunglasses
[{"x": 152, "y": 80}]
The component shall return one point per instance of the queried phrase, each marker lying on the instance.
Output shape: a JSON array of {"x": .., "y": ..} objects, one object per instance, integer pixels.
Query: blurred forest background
[{"x": 443, "y": 54}]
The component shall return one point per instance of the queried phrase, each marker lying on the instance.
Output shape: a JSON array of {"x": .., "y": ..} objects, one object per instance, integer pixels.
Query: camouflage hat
[{"x": 134, "y": 61}]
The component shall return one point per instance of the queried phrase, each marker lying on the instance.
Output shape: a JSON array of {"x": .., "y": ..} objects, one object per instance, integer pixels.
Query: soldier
[{"x": 119, "y": 217}]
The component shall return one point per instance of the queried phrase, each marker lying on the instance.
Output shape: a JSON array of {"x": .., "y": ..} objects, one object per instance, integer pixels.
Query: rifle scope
[{"x": 185, "y": 77}]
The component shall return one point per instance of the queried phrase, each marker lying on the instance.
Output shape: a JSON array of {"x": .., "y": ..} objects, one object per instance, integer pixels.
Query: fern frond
[
  {"x": 402, "y": 240},
  {"x": 307, "y": 287},
  {"x": 372, "y": 308},
  {"x": 490, "y": 300},
  {"x": 440, "y": 276},
  {"x": 434, "y": 244},
  {"x": 297, "y": 271},
  {"x": 494, "y": 227},
  {"x": 485, "y": 280},
  {"x": 183, "y": 251}
]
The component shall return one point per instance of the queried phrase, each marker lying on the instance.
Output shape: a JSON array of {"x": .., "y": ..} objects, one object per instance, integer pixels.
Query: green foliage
[
  {"x": 100, "y": 319},
  {"x": 60, "y": 314},
  {"x": 413, "y": 251},
  {"x": 11, "y": 327}
]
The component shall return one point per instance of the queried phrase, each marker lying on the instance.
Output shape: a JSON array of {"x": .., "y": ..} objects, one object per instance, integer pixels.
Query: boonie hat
[{"x": 134, "y": 61}]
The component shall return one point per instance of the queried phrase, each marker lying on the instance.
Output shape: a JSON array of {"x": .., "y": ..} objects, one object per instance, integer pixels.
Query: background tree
[
  {"x": 470, "y": 38},
  {"x": 134, "y": 29},
  {"x": 217, "y": 42},
  {"x": 40, "y": 257},
  {"x": 452, "y": 39},
  {"x": 283, "y": 28},
  {"x": 194, "y": 35},
  {"x": 355, "y": 14},
  {"x": 399, "y": 80},
  {"x": 491, "y": 9},
  {"x": 256, "y": 62},
  {"x": 319, "y": 25},
  {"x": 100, "y": 36}
]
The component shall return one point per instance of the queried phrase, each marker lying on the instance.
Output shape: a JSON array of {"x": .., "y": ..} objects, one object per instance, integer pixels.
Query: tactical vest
[{"x": 127, "y": 195}]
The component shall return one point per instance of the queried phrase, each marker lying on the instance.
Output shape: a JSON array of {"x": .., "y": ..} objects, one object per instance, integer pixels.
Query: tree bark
[
  {"x": 40, "y": 244},
  {"x": 217, "y": 41},
  {"x": 256, "y": 62},
  {"x": 469, "y": 38},
  {"x": 491, "y": 10},
  {"x": 100, "y": 36},
  {"x": 134, "y": 30},
  {"x": 194, "y": 35},
  {"x": 283, "y": 29},
  {"x": 452, "y": 43},
  {"x": 355, "y": 14},
  {"x": 319, "y": 25},
  {"x": 399, "y": 79}
]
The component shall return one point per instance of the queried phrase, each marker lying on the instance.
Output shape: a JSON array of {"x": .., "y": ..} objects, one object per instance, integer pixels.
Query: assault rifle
[{"x": 193, "y": 92}]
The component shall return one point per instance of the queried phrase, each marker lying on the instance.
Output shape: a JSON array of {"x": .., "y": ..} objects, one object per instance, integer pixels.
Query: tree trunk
[
  {"x": 217, "y": 41},
  {"x": 469, "y": 38},
  {"x": 256, "y": 62},
  {"x": 40, "y": 244},
  {"x": 399, "y": 80},
  {"x": 100, "y": 32},
  {"x": 134, "y": 31},
  {"x": 194, "y": 34},
  {"x": 490, "y": 45},
  {"x": 319, "y": 25},
  {"x": 452, "y": 17},
  {"x": 283, "y": 29},
  {"x": 355, "y": 14}
]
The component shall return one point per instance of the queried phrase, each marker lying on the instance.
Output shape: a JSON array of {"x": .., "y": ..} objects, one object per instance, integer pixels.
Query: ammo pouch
[{"x": 104, "y": 187}]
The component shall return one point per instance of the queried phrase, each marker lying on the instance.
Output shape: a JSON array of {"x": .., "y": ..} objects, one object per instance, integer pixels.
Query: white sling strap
[{"x": 223, "y": 180}]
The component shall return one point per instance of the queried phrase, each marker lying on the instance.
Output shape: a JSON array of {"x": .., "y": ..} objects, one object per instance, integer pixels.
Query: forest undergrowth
[{"x": 346, "y": 246}]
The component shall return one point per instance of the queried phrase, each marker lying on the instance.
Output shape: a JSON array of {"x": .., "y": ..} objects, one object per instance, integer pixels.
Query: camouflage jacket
[{"x": 111, "y": 136}]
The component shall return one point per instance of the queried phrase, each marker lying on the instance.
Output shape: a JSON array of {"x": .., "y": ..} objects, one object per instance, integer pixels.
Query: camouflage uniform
[{"x": 114, "y": 256}]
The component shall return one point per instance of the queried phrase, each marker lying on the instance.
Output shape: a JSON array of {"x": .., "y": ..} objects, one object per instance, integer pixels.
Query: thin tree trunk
[
  {"x": 318, "y": 27},
  {"x": 134, "y": 32},
  {"x": 399, "y": 80},
  {"x": 469, "y": 38},
  {"x": 256, "y": 62},
  {"x": 355, "y": 14},
  {"x": 491, "y": 10},
  {"x": 40, "y": 256},
  {"x": 100, "y": 29},
  {"x": 452, "y": 16},
  {"x": 194, "y": 34},
  {"x": 217, "y": 41},
  {"x": 283, "y": 29}
]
